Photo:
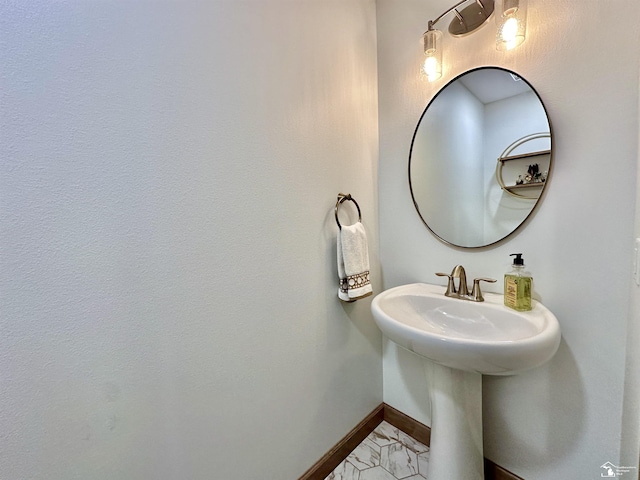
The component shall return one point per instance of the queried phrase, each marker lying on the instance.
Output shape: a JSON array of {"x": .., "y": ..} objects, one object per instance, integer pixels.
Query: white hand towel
[{"x": 353, "y": 263}]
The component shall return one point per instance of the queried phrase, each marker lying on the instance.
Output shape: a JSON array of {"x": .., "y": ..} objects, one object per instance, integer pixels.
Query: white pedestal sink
[{"x": 463, "y": 341}]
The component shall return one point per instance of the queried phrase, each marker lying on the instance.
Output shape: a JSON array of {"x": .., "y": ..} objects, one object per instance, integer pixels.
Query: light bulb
[
  {"x": 430, "y": 69},
  {"x": 509, "y": 33}
]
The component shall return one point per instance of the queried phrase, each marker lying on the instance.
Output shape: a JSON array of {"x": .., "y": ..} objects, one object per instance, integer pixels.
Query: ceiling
[{"x": 491, "y": 84}]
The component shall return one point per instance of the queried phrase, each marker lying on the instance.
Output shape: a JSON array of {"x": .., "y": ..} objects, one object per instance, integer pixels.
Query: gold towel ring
[{"x": 341, "y": 198}]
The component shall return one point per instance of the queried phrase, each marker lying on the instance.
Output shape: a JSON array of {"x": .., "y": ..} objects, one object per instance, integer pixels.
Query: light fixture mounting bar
[
  {"x": 468, "y": 19},
  {"x": 433, "y": 22}
]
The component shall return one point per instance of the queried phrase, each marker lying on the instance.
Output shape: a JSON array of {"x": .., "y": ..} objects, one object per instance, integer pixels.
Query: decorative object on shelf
[
  {"x": 533, "y": 178},
  {"x": 533, "y": 174},
  {"x": 511, "y": 19}
]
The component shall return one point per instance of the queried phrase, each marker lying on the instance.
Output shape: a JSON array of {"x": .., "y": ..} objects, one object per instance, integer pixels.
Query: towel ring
[{"x": 341, "y": 198}]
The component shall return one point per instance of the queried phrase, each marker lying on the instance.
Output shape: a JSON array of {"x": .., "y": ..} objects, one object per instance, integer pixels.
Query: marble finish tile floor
[{"x": 386, "y": 454}]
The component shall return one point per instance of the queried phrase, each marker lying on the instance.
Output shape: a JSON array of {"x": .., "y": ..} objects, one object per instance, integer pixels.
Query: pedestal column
[{"x": 456, "y": 423}]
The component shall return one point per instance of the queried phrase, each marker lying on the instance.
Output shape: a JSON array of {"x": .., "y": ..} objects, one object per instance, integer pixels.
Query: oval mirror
[{"x": 480, "y": 157}]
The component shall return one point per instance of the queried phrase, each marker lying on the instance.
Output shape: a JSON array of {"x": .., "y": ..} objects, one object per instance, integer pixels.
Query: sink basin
[
  {"x": 483, "y": 337},
  {"x": 461, "y": 341}
]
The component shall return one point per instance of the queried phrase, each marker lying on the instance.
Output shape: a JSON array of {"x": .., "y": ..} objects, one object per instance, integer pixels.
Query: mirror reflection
[{"x": 480, "y": 157}]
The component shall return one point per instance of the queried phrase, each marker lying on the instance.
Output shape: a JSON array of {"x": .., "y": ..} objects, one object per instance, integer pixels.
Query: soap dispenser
[{"x": 517, "y": 285}]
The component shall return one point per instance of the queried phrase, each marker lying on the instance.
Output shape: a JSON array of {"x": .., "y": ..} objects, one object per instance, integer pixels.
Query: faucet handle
[
  {"x": 451, "y": 288},
  {"x": 476, "y": 294}
]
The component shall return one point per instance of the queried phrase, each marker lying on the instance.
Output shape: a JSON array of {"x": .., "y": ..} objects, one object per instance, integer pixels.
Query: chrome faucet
[{"x": 462, "y": 291}]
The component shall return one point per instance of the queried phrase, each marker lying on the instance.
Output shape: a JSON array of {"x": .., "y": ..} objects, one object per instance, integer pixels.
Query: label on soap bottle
[
  {"x": 517, "y": 292},
  {"x": 510, "y": 291}
]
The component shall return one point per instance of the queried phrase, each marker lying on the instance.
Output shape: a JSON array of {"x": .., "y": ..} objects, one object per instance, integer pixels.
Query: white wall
[
  {"x": 631, "y": 406},
  {"x": 562, "y": 420},
  {"x": 168, "y": 301},
  {"x": 448, "y": 166}
]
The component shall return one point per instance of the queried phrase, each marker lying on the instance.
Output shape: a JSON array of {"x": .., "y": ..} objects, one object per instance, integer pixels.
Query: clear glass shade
[
  {"x": 431, "y": 68},
  {"x": 511, "y": 17}
]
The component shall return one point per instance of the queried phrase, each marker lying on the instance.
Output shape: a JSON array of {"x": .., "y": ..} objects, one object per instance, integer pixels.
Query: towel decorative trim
[{"x": 353, "y": 282}]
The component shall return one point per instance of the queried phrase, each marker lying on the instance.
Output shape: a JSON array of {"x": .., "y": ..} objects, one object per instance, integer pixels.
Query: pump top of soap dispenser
[{"x": 519, "y": 261}]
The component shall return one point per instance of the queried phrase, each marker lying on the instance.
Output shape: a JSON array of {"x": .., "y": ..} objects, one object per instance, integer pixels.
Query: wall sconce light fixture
[
  {"x": 511, "y": 18},
  {"x": 512, "y": 24}
]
